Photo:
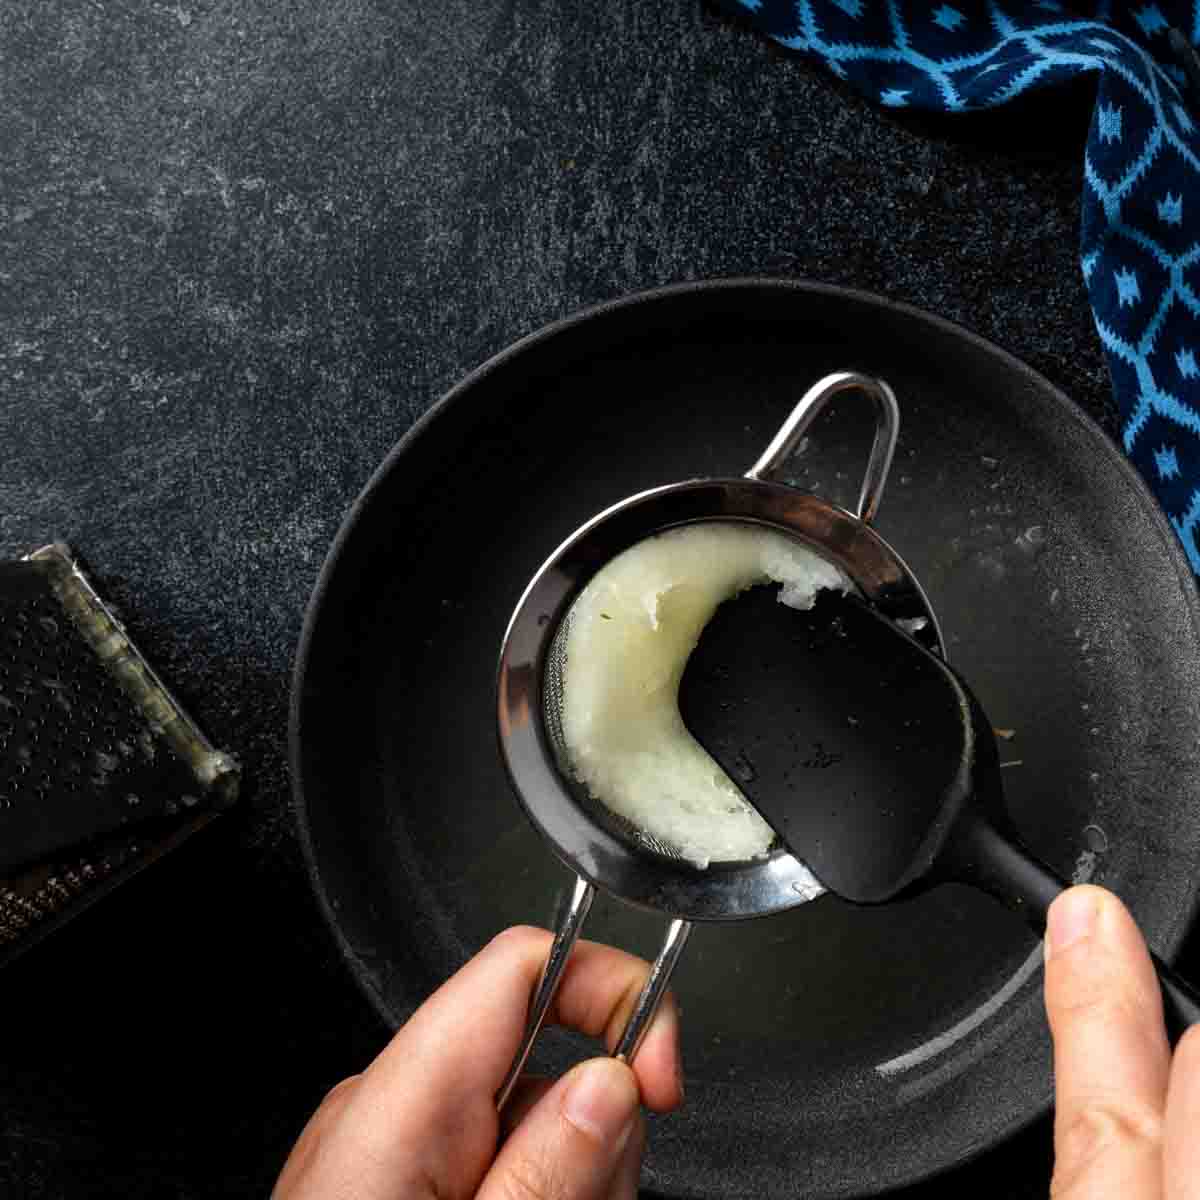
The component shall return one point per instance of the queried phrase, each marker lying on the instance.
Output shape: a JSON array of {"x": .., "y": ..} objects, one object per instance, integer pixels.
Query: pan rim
[{"x": 1115, "y": 462}]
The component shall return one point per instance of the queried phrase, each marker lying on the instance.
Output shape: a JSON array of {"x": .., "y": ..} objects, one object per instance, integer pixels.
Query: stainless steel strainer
[{"x": 603, "y": 849}]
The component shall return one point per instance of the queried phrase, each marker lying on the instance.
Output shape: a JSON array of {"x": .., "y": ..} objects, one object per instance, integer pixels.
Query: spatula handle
[{"x": 984, "y": 857}]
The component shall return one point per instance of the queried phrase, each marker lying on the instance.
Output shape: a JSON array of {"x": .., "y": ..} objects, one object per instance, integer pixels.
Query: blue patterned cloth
[{"x": 1140, "y": 237}]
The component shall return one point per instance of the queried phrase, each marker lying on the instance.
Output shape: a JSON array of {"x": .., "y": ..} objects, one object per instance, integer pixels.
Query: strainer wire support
[{"x": 812, "y": 403}]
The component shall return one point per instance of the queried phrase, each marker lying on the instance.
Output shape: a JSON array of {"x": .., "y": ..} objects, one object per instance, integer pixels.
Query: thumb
[
  {"x": 570, "y": 1145},
  {"x": 1111, "y": 1059}
]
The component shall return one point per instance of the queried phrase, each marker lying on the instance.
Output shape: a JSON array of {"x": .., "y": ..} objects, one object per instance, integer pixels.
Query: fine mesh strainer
[
  {"x": 552, "y": 709},
  {"x": 602, "y": 848}
]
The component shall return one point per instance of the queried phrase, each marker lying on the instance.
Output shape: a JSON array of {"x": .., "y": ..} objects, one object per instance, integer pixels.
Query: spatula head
[{"x": 856, "y": 744}]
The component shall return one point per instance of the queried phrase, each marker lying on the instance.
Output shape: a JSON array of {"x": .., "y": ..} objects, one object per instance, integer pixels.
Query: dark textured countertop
[{"x": 242, "y": 247}]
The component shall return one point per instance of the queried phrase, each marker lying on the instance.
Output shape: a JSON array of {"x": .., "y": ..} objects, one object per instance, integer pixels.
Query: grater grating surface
[{"x": 99, "y": 765}]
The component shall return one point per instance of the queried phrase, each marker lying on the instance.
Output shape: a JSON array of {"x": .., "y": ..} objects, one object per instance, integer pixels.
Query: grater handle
[{"x": 887, "y": 432}]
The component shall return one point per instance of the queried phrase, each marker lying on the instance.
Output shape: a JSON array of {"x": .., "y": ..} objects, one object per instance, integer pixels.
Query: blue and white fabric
[{"x": 1139, "y": 248}]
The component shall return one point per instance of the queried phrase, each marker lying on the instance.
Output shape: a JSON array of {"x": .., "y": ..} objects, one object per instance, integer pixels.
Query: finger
[
  {"x": 598, "y": 996},
  {"x": 1111, "y": 1058},
  {"x": 426, "y": 1113},
  {"x": 1181, "y": 1154},
  {"x": 525, "y": 1094},
  {"x": 599, "y": 989},
  {"x": 301, "y": 1163},
  {"x": 571, "y": 1145},
  {"x": 530, "y": 1090},
  {"x": 629, "y": 1169}
]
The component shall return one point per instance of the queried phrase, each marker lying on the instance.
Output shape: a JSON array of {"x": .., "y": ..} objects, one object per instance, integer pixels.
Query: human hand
[
  {"x": 421, "y": 1120},
  {"x": 1127, "y": 1113}
]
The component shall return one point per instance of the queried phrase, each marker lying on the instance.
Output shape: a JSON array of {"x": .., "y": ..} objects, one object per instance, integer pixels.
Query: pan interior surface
[{"x": 830, "y": 1050}]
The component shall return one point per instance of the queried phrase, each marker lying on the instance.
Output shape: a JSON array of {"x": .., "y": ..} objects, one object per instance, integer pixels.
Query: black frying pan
[{"x": 832, "y": 1050}]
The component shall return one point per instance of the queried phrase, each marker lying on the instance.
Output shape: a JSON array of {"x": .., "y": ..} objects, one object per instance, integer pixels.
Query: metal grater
[{"x": 101, "y": 770}]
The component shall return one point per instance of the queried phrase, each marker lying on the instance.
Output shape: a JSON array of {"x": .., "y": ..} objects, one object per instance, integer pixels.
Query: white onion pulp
[{"x": 631, "y": 632}]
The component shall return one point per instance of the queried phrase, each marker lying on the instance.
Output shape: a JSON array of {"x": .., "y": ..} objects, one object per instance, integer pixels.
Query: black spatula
[{"x": 867, "y": 755}]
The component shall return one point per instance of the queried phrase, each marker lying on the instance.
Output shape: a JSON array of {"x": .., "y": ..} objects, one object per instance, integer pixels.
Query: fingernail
[
  {"x": 602, "y": 1100},
  {"x": 1072, "y": 917}
]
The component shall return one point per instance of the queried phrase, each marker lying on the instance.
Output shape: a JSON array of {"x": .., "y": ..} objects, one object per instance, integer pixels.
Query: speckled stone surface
[{"x": 242, "y": 246}]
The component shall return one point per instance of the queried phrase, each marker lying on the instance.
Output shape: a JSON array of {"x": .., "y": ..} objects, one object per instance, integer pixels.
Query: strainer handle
[
  {"x": 565, "y": 938},
  {"x": 887, "y": 431},
  {"x": 653, "y": 990}
]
